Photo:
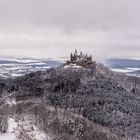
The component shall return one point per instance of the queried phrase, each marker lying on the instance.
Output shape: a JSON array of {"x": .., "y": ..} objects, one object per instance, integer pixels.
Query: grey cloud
[
  {"x": 72, "y": 13},
  {"x": 105, "y": 28}
]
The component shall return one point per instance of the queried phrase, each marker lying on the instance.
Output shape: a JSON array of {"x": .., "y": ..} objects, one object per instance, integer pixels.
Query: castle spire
[
  {"x": 76, "y": 52},
  {"x": 86, "y": 55},
  {"x": 71, "y": 57},
  {"x": 90, "y": 58}
]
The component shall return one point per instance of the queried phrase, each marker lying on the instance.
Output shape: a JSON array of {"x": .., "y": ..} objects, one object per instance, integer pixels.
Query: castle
[
  {"x": 76, "y": 57},
  {"x": 80, "y": 59}
]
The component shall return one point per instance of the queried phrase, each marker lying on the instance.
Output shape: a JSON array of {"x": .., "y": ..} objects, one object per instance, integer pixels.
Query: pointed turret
[
  {"x": 75, "y": 52},
  {"x": 81, "y": 54},
  {"x": 86, "y": 55},
  {"x": 90, "y": 58},
  {"x": 71, "y": 57}
]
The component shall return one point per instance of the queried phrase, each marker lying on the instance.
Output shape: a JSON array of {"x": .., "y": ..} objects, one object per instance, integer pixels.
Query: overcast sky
[{"x": 53, "y": 28}]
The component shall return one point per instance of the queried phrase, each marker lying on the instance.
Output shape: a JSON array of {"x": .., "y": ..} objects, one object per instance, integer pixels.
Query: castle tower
[
  {"x": 71, "y": 57},
  {"x": 90, "y": 58},
  {"x": 76, "y": 53},
  {"x": 86, "y": 55},
  {"x": 81, "y": 54}
]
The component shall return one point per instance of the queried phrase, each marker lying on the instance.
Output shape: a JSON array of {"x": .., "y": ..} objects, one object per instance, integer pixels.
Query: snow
[
  {"x": 11, "y": 102},
  {"x": 126, "y": 70},
  {"x": 15, "y": 130},
  {"x": 43, "y": 67},
  {"x": 134, "y": 69},
  {"x": 9, "y": 135},
  {"x": 72, "y": 66},
  {"x": 16, "y": 75},
  {"x": 23, "y": 129},
  {"x": 26, "y": 130},
  {"x": 18, "y": 67},
  {"x": 40, "y": 135},
  {"x": 123, "y": 70},
  {"x": 12, "y": 124},
  {"x": 20, "y": 60}
]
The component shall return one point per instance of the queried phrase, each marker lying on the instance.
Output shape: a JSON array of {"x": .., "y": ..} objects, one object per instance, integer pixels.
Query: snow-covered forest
[{"x": 69, "y": 102}]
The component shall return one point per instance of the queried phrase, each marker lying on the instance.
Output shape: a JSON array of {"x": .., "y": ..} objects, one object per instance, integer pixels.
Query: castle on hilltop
[
  {"x": 76, "y": 57},
  {"x": 80, "y": 59}
]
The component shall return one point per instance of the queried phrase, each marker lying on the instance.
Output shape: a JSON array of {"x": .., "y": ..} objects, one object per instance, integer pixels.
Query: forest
[{"x": 91, "y": 103}]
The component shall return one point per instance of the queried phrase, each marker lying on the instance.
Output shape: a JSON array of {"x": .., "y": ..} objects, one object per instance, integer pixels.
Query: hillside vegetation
[{"x": 92, "y": 97}]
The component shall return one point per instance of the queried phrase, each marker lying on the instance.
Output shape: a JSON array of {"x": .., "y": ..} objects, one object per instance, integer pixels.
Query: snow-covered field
[
  {"x": 128, "y": 66},
  {"x": 11, "y": 67},
  {"x": 123, "y": 70}
]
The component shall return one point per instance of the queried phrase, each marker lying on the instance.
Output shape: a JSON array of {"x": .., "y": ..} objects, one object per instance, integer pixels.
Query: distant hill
[{"x": 129, "y": 66}]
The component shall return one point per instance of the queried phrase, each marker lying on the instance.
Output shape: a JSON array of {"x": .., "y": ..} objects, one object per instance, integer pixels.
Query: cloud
[{"x": 54, "y": 28}]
